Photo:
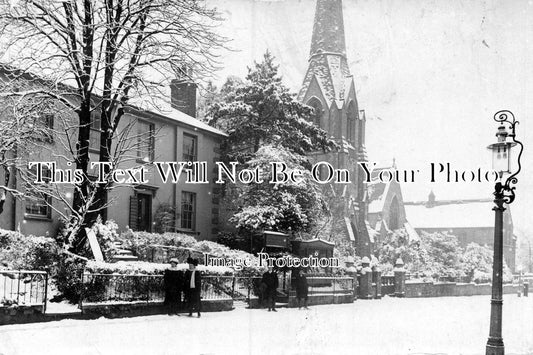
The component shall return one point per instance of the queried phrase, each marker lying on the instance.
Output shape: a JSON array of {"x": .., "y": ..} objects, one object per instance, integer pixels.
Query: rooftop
[{"x": 458, "y": 214}]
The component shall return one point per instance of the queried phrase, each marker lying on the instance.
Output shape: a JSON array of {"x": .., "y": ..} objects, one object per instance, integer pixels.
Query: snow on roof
[
  {"x": 456, "y": 215},
  {"x": 318, "y": 240},
  {"x": 413, "y": 235},
  {"x": 349, "y": 228},
  {"x": 371, "y": 232},
  {"x": 163, "y": 108},
  {"x": 378, "y": 196},
  {"x": 275, "y": 233}
]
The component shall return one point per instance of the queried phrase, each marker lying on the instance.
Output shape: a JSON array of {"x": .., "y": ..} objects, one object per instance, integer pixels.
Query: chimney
[{"x": 183, "y": 93}]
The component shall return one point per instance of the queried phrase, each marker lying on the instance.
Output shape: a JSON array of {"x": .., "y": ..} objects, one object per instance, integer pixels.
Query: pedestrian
[
  {"x": 270, "y": 279},
  {"x": 193, "y": 286},
  {"x": 301, "y": 289},
  {"x": 173, "y": 281}
]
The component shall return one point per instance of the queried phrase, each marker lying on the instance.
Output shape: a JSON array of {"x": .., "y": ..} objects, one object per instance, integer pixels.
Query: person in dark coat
[
  {"x": 301, "y": 289},
  {"x": 270, "y": 279},
  {"x": 173, "y": 281},
  {"x": 193, "y": 286}
]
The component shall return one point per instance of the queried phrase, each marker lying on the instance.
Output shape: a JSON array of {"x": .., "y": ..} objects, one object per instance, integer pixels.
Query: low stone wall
[
  {"x": 135, "y": 309},
  {"x": 318, "y": 299},
  {"x": 430, "y": 289},
  {"x": 21, "y": 314}
]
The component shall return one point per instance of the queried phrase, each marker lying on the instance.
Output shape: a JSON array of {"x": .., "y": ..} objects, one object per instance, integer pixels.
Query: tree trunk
[{"x": 82, "y": 191}]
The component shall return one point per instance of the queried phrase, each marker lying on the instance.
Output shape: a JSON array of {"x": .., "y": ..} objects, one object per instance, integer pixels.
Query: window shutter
[{"x": 133, "y": 213}]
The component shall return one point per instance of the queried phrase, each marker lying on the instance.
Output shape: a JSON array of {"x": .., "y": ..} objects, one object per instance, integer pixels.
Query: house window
[
  {"x": 45, "y": 121},
  {"x": 145, "y": 141},
  {"x": 188, "y": 210},
  {"x": 43, "y": 124},
  {"x": 37, "y": 203},
  {"x": 94, "y": 135},
  {"x": 190, "y": 148}
]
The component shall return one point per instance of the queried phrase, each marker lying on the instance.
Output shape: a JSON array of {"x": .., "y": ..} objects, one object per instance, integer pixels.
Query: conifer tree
[
  {"x": 262, "y": 111},
  {"x": 265, "y": 123}
]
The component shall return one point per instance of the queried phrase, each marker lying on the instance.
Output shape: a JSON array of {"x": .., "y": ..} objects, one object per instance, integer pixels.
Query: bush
[
  {"x": 106, "y": 234},
  {"x": 160, "y": 247},
  {"x": 18, "y": 251},
  {"x": 164, "y": 218},
  {"x": 67, "y": 276},
  {"x": 234, "y": 241}
]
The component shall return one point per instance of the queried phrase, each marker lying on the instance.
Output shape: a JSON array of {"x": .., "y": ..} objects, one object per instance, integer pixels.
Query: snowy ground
[{"x": 451, "y": 325}]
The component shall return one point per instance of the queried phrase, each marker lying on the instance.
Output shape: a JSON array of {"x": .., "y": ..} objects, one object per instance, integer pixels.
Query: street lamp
[{"x": 503, "y": 194}]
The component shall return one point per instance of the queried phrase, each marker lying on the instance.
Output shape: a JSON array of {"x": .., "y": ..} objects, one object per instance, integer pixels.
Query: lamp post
[{"x": 503, "y": 194}]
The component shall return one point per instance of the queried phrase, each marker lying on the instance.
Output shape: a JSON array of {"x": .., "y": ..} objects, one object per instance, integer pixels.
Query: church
[{"x": 329, "y": 88}]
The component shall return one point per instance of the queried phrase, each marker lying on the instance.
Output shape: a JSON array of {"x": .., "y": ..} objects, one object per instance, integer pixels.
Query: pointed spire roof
[{"x": 328, "y": 28}]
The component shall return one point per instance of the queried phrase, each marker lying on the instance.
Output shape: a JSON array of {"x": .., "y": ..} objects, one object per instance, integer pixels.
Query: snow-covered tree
[
  {"x": 289, "y": 206},
  {"x": 110, "y": 54},
  {"x": 477, "y": 262},
  {"x": 266, "y": 124},
  {"x": 263, "y": 111}
]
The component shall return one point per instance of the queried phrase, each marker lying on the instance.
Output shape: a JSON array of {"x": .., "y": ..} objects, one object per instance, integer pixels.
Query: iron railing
[
  {"x": 108, "y": 288},
  {"x": 387, "y": 285},
  {"x": 23, "y": 287},
  {"x": 217, "y": 287},
  {"x": 118, "y": 288}
]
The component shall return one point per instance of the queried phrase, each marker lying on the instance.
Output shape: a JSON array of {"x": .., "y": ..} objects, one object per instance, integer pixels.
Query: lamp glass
[{"x": 501, "y": 158}]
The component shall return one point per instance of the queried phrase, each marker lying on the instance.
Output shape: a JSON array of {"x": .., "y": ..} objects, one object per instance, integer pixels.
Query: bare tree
[{"x": 103, "y": 55}]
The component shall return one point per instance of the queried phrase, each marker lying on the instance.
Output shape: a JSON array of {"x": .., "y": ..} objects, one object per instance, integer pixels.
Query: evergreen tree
[
  {"x": 287, "y": 206},
  {"x": 262, "y": 111},
  {"x": 266, "y": 124}
]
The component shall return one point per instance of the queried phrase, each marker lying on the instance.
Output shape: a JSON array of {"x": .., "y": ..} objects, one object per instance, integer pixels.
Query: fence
[
  {"x": 117, "y": 288},
  {"x": 100, "y": 288},
  {"x": 387, "y": 285},
  {"x": 23, "y": 287}
]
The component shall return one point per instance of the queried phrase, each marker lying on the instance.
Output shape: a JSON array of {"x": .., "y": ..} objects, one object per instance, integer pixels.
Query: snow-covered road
[{"x": 448, "y": 325}]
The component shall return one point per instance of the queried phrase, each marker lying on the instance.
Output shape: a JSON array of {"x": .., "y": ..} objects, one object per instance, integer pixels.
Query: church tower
[{"x": 329, "y": 88}]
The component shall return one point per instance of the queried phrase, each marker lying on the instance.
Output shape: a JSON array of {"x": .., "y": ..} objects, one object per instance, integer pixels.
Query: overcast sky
[{"x": 429, "y": 74}]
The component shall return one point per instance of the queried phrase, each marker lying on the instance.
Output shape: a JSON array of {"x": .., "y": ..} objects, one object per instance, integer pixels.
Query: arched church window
[
  {"x": 394, "y": 214},
  {"x": 351, "y": 117},
  {"x": 318, "y": 110},
  {"x": 360, "y": 129}
]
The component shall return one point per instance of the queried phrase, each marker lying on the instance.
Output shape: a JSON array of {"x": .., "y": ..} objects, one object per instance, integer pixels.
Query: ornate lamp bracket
[{"x": 505, "y": 191}]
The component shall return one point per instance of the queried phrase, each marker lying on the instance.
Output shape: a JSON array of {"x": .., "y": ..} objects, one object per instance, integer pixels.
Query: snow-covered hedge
[
  {"x": 147, "y": 268},
  {"x": 159, "y": 248},
  {"x": 18, "y": 251}
]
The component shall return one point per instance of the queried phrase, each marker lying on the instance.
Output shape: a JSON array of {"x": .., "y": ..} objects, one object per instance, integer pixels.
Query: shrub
[
  {"x": 18, "y": 251},
  {"x": 67, "y": 277},
  {"x": 106, "y": 234},
  {"x": 165, "y": 218},
  {"x": 234, "y": 241},
  {"x": 160, "y": 247}
]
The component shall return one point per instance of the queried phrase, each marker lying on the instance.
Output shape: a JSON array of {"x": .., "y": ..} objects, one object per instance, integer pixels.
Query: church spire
[{"x": 328, "y": 29}]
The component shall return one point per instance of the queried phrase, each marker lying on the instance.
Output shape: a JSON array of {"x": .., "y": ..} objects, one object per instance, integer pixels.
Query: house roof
[
  {"x": 156, "y": 106},
  {"x": 163, "y": 108},
  {"x": 452, "y": 215}
]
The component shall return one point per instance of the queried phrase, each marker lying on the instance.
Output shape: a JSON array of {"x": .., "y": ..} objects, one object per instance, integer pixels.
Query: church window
[
  {"x": 318, "y": 110},
  {"x": 394, "y": 214},
  {"x": 351, "y": 117}
]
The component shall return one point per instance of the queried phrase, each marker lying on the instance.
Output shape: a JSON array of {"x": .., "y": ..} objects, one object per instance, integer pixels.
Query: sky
[{"x": 430, "y": 76}]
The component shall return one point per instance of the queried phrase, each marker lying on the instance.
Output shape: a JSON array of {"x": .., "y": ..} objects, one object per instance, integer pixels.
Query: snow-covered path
[{"x": 450, "y": 325}]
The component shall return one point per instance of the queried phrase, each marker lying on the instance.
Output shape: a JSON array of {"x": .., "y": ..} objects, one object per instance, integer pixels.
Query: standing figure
[
  {"x": 193, "y": 286},
  {"x": 173, "y": 281},
  {"x": 270, "y": 279},
  {"x": 301, "y": 289}
]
